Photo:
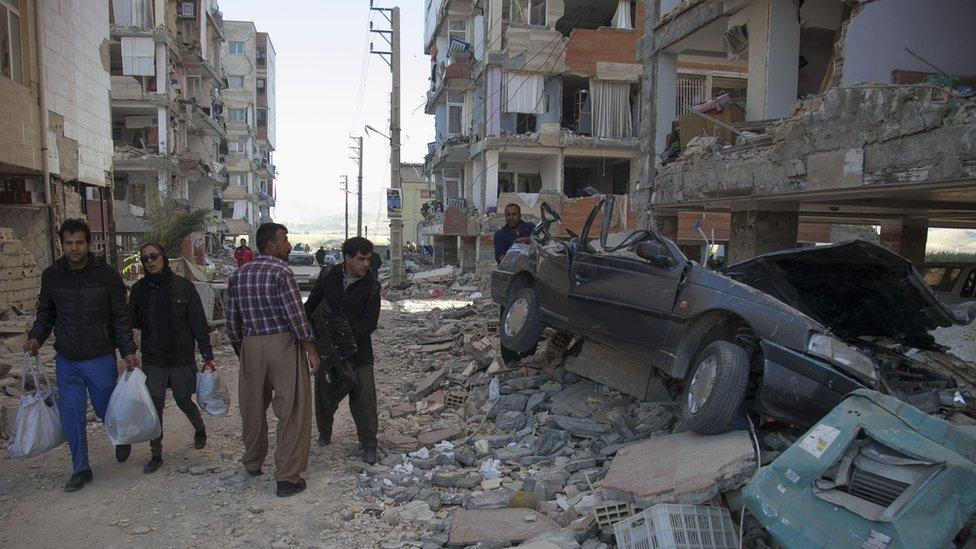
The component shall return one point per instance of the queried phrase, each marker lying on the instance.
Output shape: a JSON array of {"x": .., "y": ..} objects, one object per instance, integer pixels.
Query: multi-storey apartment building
[
  {"x": 167, "y": 113},
  {"x": 534, "y": 100},
  {"x": 249, "y": 59}
]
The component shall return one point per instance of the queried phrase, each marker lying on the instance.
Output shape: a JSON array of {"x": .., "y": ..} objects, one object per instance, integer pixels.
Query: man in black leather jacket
[
  {"x": 353, "y": 293},
  {"x": 82, "y": 300},
  {"x": 168, "y": 312}
]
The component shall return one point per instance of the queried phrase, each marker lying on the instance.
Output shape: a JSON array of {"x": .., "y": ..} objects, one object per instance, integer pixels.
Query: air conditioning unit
[{"x": 187, "y": 10}]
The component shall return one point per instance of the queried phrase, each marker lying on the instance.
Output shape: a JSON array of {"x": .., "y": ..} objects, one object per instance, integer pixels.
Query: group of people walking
[{"x": 82, "y": 301}]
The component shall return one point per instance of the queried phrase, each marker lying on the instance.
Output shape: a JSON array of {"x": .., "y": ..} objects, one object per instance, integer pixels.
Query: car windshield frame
[{"x": 301, "y": 260}]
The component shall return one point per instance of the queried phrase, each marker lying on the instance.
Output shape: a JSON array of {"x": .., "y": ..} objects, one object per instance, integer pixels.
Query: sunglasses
[{"x": 150, "y": 257}]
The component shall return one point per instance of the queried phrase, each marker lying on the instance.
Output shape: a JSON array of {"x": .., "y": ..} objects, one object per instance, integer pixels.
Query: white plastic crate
[{"x": 668, "y": 526}]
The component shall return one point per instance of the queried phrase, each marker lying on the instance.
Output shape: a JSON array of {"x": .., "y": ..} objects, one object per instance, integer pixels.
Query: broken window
[
  {"x": 455, "y": 113},
  {"x": 457, "y": 29},
  {"x": 132, "y": 13},
  {"x": 525, "y": 12},
  {"x": 235, "y": 47},
  {"x": 138, "y": 56},
  {"x": 577, "y": 111},
  {"x": 606, "y": 175},
  {"x": 692, "y": 90},
  {"x": 611, "y": 109},
  {"x": 238, "y": 115},
  {"x": 524, "y": 92},
  {"x": 235, "y": 81}
]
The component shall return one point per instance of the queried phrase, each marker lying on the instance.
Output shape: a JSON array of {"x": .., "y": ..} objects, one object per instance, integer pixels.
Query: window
[
  {"x": 531, "y": 12},
  {"x": 261, "y": 86},
  {"x": 262, "y": 117},
  {"x": 261, "y": 56},
  {"x": 239, "y": 115},
  {"x": 941, "y": 279},
  {"x": 10, "y": 60},
  {"x": 235, "y": 47},
  {"x": 458, "y": 29},
  {"x": 235, "y": 81},
  {"x": 237, "y": 179},
  {"x": 455, "y": 113},
  {"x": 970, "y": 287}
]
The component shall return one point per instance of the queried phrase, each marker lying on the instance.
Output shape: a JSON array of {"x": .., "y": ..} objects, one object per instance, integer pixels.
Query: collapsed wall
[{"x": 20, "y": 277}]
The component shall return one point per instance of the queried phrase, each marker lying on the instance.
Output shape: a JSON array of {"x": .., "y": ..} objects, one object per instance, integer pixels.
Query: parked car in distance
[
  {"x": 952, "y": 282},
  {"x": 305, "y": 268},
  {"x": 789, "y": 333}
]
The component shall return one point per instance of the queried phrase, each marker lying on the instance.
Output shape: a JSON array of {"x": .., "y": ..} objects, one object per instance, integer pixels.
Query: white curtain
[
  {"x": 611, "y": 108},
  {"x": 133, "y": 13},
  {"x": 523, "y": 92},
  {"x": 240, "y": 209},
  {"x": 621, "y": 19},
  {"x": 138, "y": 56}
]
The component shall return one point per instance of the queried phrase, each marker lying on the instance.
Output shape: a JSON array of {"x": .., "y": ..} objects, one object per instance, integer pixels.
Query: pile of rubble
[
  {"x": 13, "y": 325},
  {"x": 447, "y": 281},
  {"x": 480, "y": 453}
]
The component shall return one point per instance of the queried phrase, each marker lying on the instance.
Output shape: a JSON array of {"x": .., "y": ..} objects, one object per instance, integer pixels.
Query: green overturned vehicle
[{"x": 874, "y": 472}]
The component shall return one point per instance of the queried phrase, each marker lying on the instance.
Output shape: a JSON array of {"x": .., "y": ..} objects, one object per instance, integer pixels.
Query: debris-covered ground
[{"x": 472, "y": 453}]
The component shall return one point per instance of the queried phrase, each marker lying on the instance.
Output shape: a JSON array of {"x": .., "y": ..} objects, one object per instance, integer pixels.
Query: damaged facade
[
  {"x": 55, "y": 151},
  {"x": 821, "y": 114},
  {"x": 249, "y": 59},
  {"x": 534, "y": 100},
  {"x": 167, "y": 114}
]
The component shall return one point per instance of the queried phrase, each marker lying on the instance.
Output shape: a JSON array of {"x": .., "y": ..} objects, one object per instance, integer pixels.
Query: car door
[{"x": 625, "y": 302}]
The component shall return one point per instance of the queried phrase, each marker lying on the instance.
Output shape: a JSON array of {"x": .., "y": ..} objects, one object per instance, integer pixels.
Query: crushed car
[{"x": 788, "y": 333}]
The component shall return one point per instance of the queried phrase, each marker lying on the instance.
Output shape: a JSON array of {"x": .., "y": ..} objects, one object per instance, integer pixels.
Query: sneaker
[
  {"x": 325, "y": 440},
  {"x": 199, "y": 439},
  {"x": 122, "y": 452},
  {"x": 78, "y": 481},
  {"x": 154, "y": 463},
  {"x": 286, "y": 489},
  {"x": 369, "y": 456}
]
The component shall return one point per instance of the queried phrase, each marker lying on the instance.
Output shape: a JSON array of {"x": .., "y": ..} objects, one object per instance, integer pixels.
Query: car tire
[
  {"x": 715, "y": 388},
  {"x": 521, "y": 326}
]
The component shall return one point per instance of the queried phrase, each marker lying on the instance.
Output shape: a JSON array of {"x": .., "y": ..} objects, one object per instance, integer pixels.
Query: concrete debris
[
  {"x": 506, "y": 526},
  {"x": 681, "y": 468}
]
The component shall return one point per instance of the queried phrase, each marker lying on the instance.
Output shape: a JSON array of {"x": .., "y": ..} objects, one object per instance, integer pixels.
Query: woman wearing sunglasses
[{"x": 168, "y": 313}]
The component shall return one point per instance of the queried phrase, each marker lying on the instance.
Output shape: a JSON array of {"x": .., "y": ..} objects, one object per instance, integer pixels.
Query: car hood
[{"x": 855, "y": 288}]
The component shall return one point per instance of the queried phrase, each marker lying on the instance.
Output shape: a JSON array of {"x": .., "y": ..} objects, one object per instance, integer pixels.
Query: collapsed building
[
  {"x": 534, "y": 100},
  {"x": 769, "y": 122}
]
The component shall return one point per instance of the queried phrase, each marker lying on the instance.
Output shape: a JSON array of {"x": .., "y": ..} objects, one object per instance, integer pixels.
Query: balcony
[{"x": 454, "y": 75}]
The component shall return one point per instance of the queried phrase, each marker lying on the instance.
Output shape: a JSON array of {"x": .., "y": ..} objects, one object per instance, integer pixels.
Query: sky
[{"x": 320, "y": 47}]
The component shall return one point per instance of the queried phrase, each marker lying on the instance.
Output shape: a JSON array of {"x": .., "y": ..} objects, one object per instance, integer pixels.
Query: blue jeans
[{"x": 98, "y": 376}]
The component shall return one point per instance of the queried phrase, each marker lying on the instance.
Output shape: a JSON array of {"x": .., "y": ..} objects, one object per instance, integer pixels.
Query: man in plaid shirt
[{"x": 267, "y": 326}]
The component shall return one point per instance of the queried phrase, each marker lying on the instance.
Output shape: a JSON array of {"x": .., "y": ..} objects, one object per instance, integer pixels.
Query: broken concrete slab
[
  {"x": 431, "y": 438},
  {"x": 429, "y": 383},
  {"x": 576, "y": 400},
  {"x": 400, "y": 443},
  {"x": 400, "y": 409},
  {"x": 685, "y": 468},
  {"x": 579, "y": 427},
  {"x": 503, "y": 525}
]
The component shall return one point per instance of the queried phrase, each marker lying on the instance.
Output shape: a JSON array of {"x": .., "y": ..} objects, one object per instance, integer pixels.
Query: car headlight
[{"x": 842, "y": 354}]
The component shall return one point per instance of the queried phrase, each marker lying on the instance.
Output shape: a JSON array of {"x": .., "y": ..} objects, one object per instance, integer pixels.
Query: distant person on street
[
  {"x": 168, "y": 312},
  {"x": 320, "y": 256},
  {"x": 352, "y": 292},
  {"x": 374, "y": 264},
  {"x": 514, "y": 231},
  {"x": 267, "y": 326},
  {"x": 243, "y": 254},
  {"x": 82, "y": 300}
]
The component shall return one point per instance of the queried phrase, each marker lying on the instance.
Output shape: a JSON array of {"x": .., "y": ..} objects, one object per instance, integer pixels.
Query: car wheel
[
  {"x": 716, "y": 388},
  {"x": 521, "y": 325}
]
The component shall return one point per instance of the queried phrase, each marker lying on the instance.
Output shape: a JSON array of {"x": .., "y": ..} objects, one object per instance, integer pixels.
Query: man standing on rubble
[
  {"x": 268, "y": 328},
  {"x": 82, "y": 300},
  {"x": 352, "y": 292},
  {"x": 515, "y": 231},
  {"x": 243, "y": 254}
]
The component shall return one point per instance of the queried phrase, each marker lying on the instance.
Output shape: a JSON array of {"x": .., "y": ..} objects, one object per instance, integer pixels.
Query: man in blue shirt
[{"x": 514, "y": 231}]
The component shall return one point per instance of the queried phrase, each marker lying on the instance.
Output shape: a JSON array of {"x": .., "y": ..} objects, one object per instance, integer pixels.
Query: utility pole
[
  {"x": 358, "y": 149},
  {"x": 396, "y": 223},
  {"x": 344, "y": 181}
]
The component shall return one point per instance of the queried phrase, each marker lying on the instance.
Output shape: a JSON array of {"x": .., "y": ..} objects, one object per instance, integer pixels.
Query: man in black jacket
[
  {"x": 82, "y": 300},
  {"x": 168, "y": 312},
  {"x": 352, "y": 292}
]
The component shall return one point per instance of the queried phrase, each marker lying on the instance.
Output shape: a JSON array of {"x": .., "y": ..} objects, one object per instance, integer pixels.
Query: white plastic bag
[
  {"x": 212, "y": 394},
  {"x": 131, "y": 416},
  {"x": 37, "y": 425}
]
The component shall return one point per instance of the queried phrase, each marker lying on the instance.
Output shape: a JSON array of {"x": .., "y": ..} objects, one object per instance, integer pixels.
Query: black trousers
[
  {"x": 188, "y": 407},
  {"x": 362, "y": 405},
  {"x": 509, "y": 356}
]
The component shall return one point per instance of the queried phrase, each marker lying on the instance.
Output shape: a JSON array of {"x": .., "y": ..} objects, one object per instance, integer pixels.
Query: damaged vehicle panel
[
  {"x": 793, "y": 332},
  {"x": 874, "y": 472}
]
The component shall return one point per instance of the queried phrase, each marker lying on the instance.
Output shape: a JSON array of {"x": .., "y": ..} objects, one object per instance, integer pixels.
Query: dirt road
[{"x": 191, "y": 502}]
